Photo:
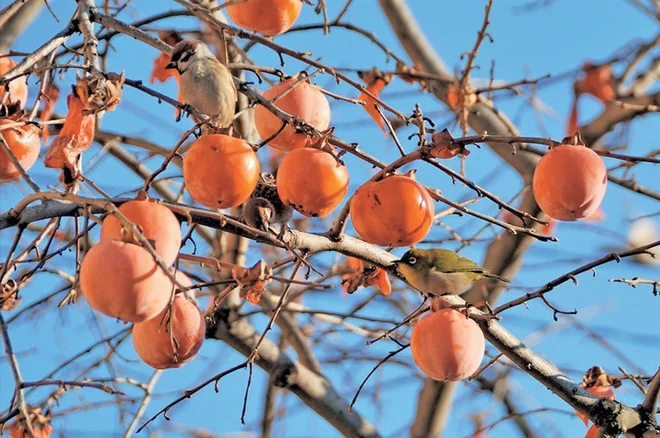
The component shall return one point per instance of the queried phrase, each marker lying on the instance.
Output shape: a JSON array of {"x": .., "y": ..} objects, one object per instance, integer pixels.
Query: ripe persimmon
[
  {"x": 18, "y": 88},
  {"x": 270, "y": 17},
  {"x": 151, "y": 338},
  {"x": 122, "y": 280},
  {"x": 304, "y": 101},
  {"x": 220, "y": 171},
  {"x": 396, "y": 211},
  {"x": 312, "y": 181},
  {"x": 446, "y": 345},
  {"x": 569, "y": 182},
  {"x": 24, "y": 143},
  {"x": 157, "y": 223}
]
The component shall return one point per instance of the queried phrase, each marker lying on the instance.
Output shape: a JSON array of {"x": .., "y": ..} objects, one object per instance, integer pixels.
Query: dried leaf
[
  {"x": 100, "y": 93},
  {"x": 443, "y": 146},
  {"x": 597, "y": 382},
  {"x": 252, "y": 281},
  {"x": 351, "y": 280},
  {"x": 375, "y": 81},
  {"x": 378, "y": 277},
  {"x": 160, "y": 73},
  {"x": 357, "y": 276},
  {"x": 75, "y": 137}
]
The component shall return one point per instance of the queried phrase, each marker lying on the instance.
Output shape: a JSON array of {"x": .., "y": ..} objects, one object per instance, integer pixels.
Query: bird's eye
[
  {"x": 412, "y": 260},
  {"x": 185, "y": 57}
]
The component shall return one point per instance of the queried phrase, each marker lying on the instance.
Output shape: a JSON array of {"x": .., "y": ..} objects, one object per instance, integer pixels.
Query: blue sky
[{"x": 552, "y": 40}]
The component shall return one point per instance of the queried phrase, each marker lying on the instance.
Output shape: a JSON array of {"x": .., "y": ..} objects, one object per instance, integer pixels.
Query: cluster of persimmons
[{"x": 121, "y": 278}]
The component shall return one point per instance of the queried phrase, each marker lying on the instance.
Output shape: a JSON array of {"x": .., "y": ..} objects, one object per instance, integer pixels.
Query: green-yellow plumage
[{"x": 436, "y": 272}]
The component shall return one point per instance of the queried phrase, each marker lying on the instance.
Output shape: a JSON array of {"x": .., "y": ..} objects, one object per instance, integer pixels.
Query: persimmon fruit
[
  {"x": 24, "y": 143},
  {"x": 569, "y": 182},
  {"x": 304, "y": 101},
  {"x": 157, "y": 223},
  {"x": 18, "y": 88},
  {"x": 151, "y": 338},
  {"x": 220, "y": 171},
  {"x": 312, "y": 181},
  {"x": 122, "y": 280},
  {"x": 447, "y": 346},
  {"x": 270, "y": 17},
  {"x": 395, "y": 211}
]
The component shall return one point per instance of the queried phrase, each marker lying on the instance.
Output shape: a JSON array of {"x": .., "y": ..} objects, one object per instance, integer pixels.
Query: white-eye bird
[
  {"x": 206, "y": 84},
  {"x": 437, "y": 272}
]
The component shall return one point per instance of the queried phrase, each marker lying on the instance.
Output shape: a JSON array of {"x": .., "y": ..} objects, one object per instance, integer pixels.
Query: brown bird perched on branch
[
  {"x": 265, "y": 208},
  {"x": 206, "y": 84}
]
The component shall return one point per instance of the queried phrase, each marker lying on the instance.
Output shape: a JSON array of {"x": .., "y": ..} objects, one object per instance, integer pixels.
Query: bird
[
  {"x": 438, "y": 272},
  {"x": 206, "y": 84},
  {"x": 265, "y": 208}
]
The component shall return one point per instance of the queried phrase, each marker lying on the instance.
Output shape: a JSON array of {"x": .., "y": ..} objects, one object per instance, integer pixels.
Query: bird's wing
[{"x": 463, "y": 264}]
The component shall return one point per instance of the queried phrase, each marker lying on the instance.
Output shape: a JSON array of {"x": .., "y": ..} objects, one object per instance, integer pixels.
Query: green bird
[{"x": 437, "y": 272}]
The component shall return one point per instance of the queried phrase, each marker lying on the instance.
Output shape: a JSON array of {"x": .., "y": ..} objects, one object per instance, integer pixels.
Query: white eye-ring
[{"x": 412, "y": 260}]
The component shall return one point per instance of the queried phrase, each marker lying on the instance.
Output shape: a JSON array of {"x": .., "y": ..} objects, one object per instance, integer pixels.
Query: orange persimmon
[
  {"x": 304, "y": 101},
  {"x": 569, "y": 182},
  {"x": 122, "y": 280},
  {"x": 151, "y": 338},
  {"x": 220, "y": 171},
  {"x": 270, "y": 17},
  {"x": 157, "y": 223},
  {"x": 312, "y": 181},
  {"x": 18, "y": 88},
  {"x": 395, "y": 211},
  {"x": 24, "y": 143},
  {"x": 447, "y": 346}
]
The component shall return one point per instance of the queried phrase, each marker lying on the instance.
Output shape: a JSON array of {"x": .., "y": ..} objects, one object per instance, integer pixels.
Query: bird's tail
[{"x": 496, "y": 277}]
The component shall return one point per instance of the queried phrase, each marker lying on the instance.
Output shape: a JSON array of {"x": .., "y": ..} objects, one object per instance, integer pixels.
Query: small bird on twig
[
  {"x": 265, "y": 208},
  {"x": 437, "y": 272},
  {"x": 206, "y": 84}
]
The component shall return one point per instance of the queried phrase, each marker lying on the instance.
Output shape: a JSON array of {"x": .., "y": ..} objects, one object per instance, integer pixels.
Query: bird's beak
[{"x": 171, "y": 65}]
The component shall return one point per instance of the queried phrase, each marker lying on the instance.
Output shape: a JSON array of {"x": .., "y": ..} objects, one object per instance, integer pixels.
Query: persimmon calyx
[
  {"x": 253, "y": 280},
  {"x": 443, "y": 146},
  {"x": 100, "y": 92},
  {"x": 596, "y": 376},
  {"x": 573, "y": 140}
]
